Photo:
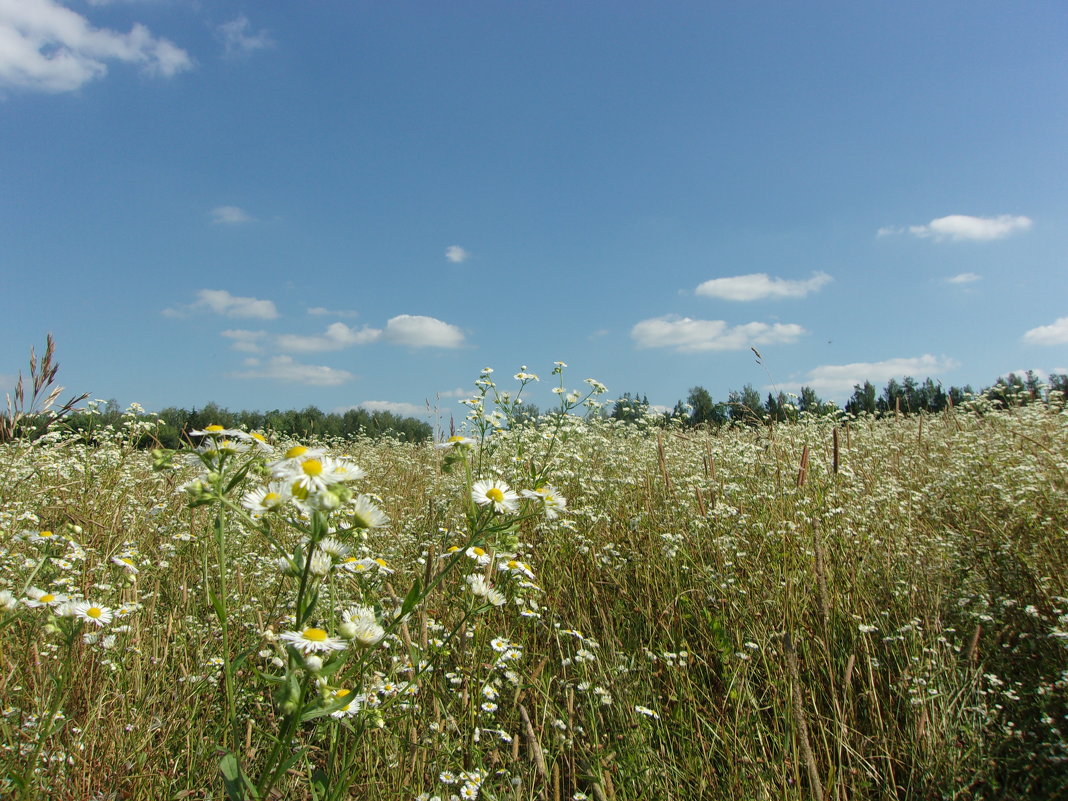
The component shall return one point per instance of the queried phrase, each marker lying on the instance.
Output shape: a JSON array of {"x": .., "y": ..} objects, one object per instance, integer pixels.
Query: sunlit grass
[{"x": 703, "y": 618}]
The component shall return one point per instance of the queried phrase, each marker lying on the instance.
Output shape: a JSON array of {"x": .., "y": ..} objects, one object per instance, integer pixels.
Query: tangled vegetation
[{"x": 839, "y": 607}]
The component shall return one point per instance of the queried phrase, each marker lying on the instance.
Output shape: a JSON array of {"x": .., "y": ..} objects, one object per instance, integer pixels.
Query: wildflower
[
  {"x": 350, "y": 708},
  {"x": 515, "y": 566},
  {"x": 216, "y": 430},
  {"x": 482, "y": 589},
  {"x": 43, "y": 537},
  {"x": 552, "y": 501},
  {"x": 126, "y": 563},
  {"x": 494, "y": 493},
  {"x": 37, "y": 598},
  {"x": 266, "y": 499},
  {"x": 7, "y": 600},
  {"x": 362, "y": 629},
  {"x": 365, "y": 514},
  {"x": 644, "y": 710},
  {"x": 457, "y": 441},
  {"x": 321, "y": 563},
  {"x": 91, "y": 613},
  {"x": 478, "y": 554},
  {"x": 333, "y": 547},
  {"x": 312, "y": 640}
]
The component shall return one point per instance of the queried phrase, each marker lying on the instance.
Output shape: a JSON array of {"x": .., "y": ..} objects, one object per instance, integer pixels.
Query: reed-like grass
[{"x": 721, "y": 615}]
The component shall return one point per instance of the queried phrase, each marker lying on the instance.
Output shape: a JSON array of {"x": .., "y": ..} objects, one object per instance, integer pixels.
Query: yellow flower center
[
  {"x": 513, "y": 564},
  {"x": 342, "y": 693},
  {"x": 94, "y": 612},
  {"x": 478, "y": 551},
  {"x": 299, "y": 492},
  {"x": 214, "y": 427},
  {"x": 260, "y": 437},
  {"x": 47, "y": 598},
  {"x": 311, "y": 467},
  {"x": 456, "y": 438},
  {"x": 296, "y": 451},
  {"x": 269, "y": 498},
  {"x": 46, "y": 534},
  {"x": 381, "y": 561},
  {"x": 315, "y": 635},
  {"x": 495, "y": 495}
]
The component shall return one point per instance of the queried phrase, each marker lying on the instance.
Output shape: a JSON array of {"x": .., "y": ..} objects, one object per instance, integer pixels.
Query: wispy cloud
[
  {"x": 758, "y": 286},
  {"x": 322, "y": 311},
  {"x": 246, "y": 341},
  {"x": 230, "y": 215},
  {"x": 393, "y": 407},
  {"x": 838, "y": 380},
  {"x": 459, "y": 392},
  {"x": 222, "y": 302},
  {"x": 456, "y": 254},
  {"x": 47, "y": 47},
  {"x": 285, "y": 369},
  {"x": 422, "y": 332},
  {"x": 964, "y": 278},
  {"x": 962, "y": 227},
  {"x": 239, "y": 40},
  {"x": 337, "y": 336},
  {"x": 1056, "y": 333},
  {"x": 686, "y": 335}
]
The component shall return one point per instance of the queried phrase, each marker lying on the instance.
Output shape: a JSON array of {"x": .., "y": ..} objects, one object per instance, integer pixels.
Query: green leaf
[
  {"x": 412, "y": 598},
  {"x": 237, "y": 785}
]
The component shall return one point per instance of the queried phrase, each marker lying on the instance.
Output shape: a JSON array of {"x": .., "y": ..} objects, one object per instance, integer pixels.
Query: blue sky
[{"x": 272, "y": 204}]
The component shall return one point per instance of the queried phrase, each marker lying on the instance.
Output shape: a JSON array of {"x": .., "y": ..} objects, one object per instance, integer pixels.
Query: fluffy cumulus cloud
[
  {"x": 838, "y": 380},
  {"x": 687, "y": 335},
  {"x": 287, "y": 370},
  {"x": 336, "y": 337},
  {"x": 1056, "y": 333},
  {"x": 456, "y": 254},
  {"x": 240, "y": 40},
  {"x": 47, "y": 47},
  {"x": 759, "y": 286},
  {"x": 222, "y": 302},
  {"x": 963, "y": 227},
  {"x": 422, "y": 332},
  {"x": 230, "y": 215},
  {"x": 393, "y": 407}
]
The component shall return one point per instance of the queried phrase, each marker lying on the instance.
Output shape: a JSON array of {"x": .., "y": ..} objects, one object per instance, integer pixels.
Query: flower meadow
[{"x": 567, "y": 608}]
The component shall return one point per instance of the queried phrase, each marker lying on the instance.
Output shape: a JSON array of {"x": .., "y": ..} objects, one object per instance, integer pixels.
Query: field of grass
[{"x": 834, "y": 608}]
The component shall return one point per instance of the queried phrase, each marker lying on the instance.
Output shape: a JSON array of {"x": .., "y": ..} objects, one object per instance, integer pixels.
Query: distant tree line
[
  {"x": 175, "y": 425},
  {"x": 908, "y": 396}
]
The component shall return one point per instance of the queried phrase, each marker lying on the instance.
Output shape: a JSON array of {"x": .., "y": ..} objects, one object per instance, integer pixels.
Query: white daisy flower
[
  {"x": 312, "y": 640},
  {"x": 365, "y": 514},
  {"x": 91, "y": 613},
  {"x": 496, "y": 494}
]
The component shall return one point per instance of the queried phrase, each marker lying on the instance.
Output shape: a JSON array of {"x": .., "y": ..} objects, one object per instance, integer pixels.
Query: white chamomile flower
[
  {"x": 365, "y": 514},
  {"x": 552, "y": 501},
  {"x": 91, "y": 613},
  {"x": 312, "y": 640},
  {"x": 495, "y": 494}
]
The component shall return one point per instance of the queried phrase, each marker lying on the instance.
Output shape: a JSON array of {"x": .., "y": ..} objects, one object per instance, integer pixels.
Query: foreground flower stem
[{"x": 219, "y": 603}]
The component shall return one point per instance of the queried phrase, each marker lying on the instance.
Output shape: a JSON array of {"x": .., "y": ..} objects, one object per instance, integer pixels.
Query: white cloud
[
  {"x": 1056, "y": 333},
  {"x": 838, "y": 380},
  {"x": 459, "y": 392},
  {"x": 687, "y": 335},
  {"x": 962, "y": 227},
  {"x": 456, "y": 254},
  {"x": 49, "y": 48},
  {"x": 246, "y": 341},
  {"x": 336, "y": 337},
  {"x": 322, "y": 311},
  {"x": 239, "y": 40},
  {"x": 417, "y": 331},
  {"x": 964, "y": 278},
  {"x": 230, "y": 215},
  {"x": 222, "y": 302},
  {"x": 758, "y": 286},
  {"x": 284, "y": 368},
  {"x": 393, "y": 407}
]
